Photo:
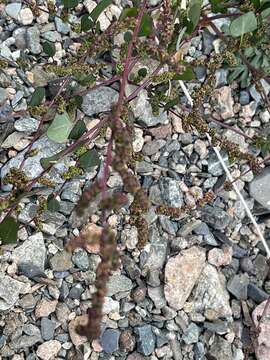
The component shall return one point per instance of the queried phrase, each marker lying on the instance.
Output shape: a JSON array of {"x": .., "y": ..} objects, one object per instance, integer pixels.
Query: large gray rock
[
  {"x": 143, "y": 111},
  {"x": 32, "y": 167},
  {"x": 181, "y": 274},
  {"x": 211, "y": 297},
  {"x": 153, "y": 258},
  {"x": 171, "y": 192},
  {"x": 216, "y": 217},
  {"x": 118, "y": 283},
  {"x": 259, "y": 188},
  {"x": 9, "y": 291},
  {"x": 33, "y": 40},
  {"x": 99, "y": 100},
  {"x": 31, "y": 251},
  {"x": 146, "y": 339}
]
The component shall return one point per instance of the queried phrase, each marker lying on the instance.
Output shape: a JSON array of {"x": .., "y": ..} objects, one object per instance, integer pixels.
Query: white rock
[
  {"x": 138, "y": 141},
  {"x": 181, "y": 274},
  {"x": 48, "y": 350},
  {"x": 26, "y": 16}
]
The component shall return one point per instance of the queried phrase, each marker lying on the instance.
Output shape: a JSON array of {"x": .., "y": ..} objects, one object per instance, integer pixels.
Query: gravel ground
[{"x": 191, "y": 291}]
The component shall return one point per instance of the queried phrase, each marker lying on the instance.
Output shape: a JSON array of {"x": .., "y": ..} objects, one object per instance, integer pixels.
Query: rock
[
  {"x": 220, "y": 257},
  {"x": 99, "y": 100},
  {"x": 30, "y": 338},
  {"x": 236, "y": 138},
  {"x": 61, "y": 26},
  {"x": 208, "y": 39},
  {"x": 256, "y": 294},
  {"x": 3, "y": 95},
  {"x": 214, "y": 166},
  {"x": 127, "y": 341},
  {"x": 191, "y": 334},
  {"x": 262, "y": 349},
  {"x": 45, "y": 307},
  {"x": 9, "y": 291},
  {"x": 135, "y": 356},
  {"x": 12, "y": 139},
  {"x": 76, "y": 291},
  {"x": 33, "y": 40},
  {"x": 155, "y": 258},
  {"x": 32, "y": 167},
  {"x": 110, "y": 305},
  {"x": 146, "y": 339},
  {"x": 143, "y": 111},
  {"x": 26, "y": 16},
  {"x": 210, "y": 296},
  {"x": 138, "y": 141},
  {"x": 220, "y": 349},
  {"x": 27, "y": 125},
  {"x": 161, "y": 132},
  {"x": 171, "y": 192},
  {"x": 152, "y": 147},
  {"x": 13, "y": 9},
  {"x": 61, "y": 261},
  {"x": 259, "y": 188},
  {"x": 215, "y": 217},
  {"x": 76, "y": 339},
  {"x": 47, "y": 328},
  {"x": 221, "y": 77},
  {"x": 110, "y": 340},
  {"x": 249, "y": 110},
  {"x": 181, "y": 274},
  {"x": 156, "y": 294},
  {"x": 244, "y": 97},
  {"x": 80, "y": 259},
  {"x": 48, "y": 350},
  {"x": 129, "y": 237},
  {"x": 225, "y": 101},
  {"x": 118, "y": 283},
  {"x": 32, "y": 251}
]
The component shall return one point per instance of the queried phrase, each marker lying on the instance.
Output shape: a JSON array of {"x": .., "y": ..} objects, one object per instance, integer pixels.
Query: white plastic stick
[{"x": 225, "y": 168}]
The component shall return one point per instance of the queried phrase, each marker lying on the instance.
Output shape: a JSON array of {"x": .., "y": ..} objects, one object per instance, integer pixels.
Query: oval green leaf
[
  {"x": 49, "y": 48},
  {"x": 9, "y": 230},
  {"x": 53, "y": 204},
  {"x": 68, "y": 4},
  {"x": 146, "y": 26},
  {"x": 243, "y": 24},
  {"x": 60, "y": 128},
  {"x": 86, "y": 23},
  {"x": 89, "y": 159},
  {"x": 37, "y": 96},
  {"x": 78, "y": 129}
]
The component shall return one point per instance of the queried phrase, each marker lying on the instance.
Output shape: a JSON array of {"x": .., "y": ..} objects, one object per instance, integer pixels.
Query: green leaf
[
  {"x": 49, "y": 48},
  {"x": 171, "y": 103},
  {"x": 89, "y": 159},
  {"x": 77, "y": 130},
  {"x": 52, "y": 203},
  {"x": 243, "y": 24},
  {"x": 49, "y": 161},
  {"x": 86, "y": 23},
  {"x": 129, "y": 12},
  {"x": 8, "y": 230},
  {"x": 60, "y": 128},
  {"x": 217, "y": 6},
  {"x": 101, "y": 6},
  {"x": 68, "y": 4},
  {"x": 37, "y": 96},
  {"x": 188, "y": 74},
  {"x": 194, "y": 12},
  {"x": 256, "y": 3},
  {"x": 146, "y": 27}
]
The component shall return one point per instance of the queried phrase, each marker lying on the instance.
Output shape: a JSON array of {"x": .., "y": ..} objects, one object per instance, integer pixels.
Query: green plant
[{"x": 159, "y": 34}]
